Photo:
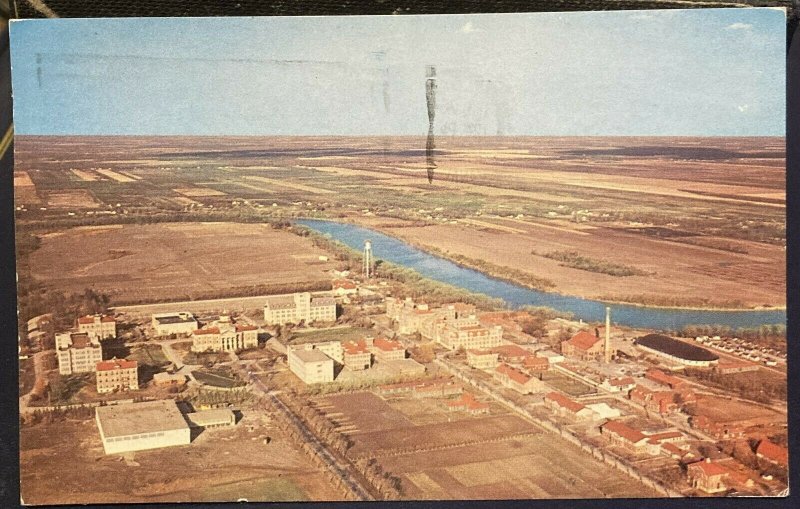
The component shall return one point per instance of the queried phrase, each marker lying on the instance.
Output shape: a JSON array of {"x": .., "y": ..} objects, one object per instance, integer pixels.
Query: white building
[
  {"x": 299, "y": 307},
  {"x": 165, "y": 324},
  {"x": 141, "y": 426},
  {"x": 98, "y": 327},
  {"x": 77, "y": 353},
  {"x": 224, "y": 335},
  {"x": 311, "y": 365}
]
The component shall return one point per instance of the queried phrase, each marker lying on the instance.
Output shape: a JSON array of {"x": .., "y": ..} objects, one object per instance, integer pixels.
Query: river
[{"x": 385, "y": 247}]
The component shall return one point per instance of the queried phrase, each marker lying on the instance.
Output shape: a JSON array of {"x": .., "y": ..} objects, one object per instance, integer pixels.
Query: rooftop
[
  {"x": 625, "y": 431},
  {"x": 323, "y": 301},
  {"x": 619, "y": 382},
  {"x": 355, "y": 347},
  {"x": 511, "y": 351},
  {"x": 312, "y": 355},
  {"x": 513, "y": 374},
  {"x": 708, "y": 468},
  {"x": 138, "y": 418},
  {"x": 675, "y": 348},
  {"x": 564, "y": 402},
  {"x": 176, "y": 318},
  {"x": 88, "y": 319},
  {"x": 116, "y": 364},
  {"x": 387, "y": 345},
  {"x": 583, "y": 340},
  {"x": 773, "y": 452},
  {"x": 208, "y": 330},
  {"x": 210, "y": 417}
]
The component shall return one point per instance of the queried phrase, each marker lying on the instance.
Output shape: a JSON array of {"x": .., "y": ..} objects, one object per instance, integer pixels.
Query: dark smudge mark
[{"x": 430, "y": 94}]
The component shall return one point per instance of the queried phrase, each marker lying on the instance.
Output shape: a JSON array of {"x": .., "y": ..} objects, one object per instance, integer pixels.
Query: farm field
[
  {"x": 699, "y": 221},
  {"x": 174, "y": 261},
  {"x": 457, "y": 456},
  {"x": 69, "y": 467}
]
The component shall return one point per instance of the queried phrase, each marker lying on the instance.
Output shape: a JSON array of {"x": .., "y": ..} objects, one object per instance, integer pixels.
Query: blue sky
[{"x": 684, "y": 72}]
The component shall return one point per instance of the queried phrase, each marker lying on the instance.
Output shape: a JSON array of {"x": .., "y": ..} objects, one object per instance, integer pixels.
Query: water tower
[{"x": 367, "y": 269}]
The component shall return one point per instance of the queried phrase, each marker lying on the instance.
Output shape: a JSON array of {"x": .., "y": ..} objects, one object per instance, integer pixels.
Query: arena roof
[
  {"x": 675, "y": 348},
  {"x": 139, "y": 418}
]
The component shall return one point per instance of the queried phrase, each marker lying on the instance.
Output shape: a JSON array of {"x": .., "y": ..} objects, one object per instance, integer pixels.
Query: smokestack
[{"x": 607, "y": 343}]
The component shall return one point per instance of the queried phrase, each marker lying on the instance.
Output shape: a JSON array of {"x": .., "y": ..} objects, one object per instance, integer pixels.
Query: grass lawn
[
  {"x": 566, "y": 384},
  {"x": 340, "y": 334},
  {"x": 151, "y": 355},
  {"x": 215, "y": 379}
]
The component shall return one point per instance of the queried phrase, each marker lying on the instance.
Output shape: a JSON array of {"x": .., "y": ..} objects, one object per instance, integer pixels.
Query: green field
[
  {"x": 262, "y": 490},
  {"x": 340, "y": 334}
]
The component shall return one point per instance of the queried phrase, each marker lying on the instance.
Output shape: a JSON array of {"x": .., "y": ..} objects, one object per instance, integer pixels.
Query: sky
[{"x": 699, "y": 72}]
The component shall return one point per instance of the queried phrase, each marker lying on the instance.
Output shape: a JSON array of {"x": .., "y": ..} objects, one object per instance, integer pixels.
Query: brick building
[
  {"x": 117, "y": 375},
  {"x": 583, "y": 345},
  {"x": 98, "y": 327}
]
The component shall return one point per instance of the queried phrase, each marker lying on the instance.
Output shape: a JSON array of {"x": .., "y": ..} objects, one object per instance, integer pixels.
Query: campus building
[
  {"x": 213, "y": 418},
  {"x": 468, "y": 333},
  {"x": 357, "y": 355},
  {"x": 310, "y": 364},
  {"x": 299, "y": 307},
  {"x": 224, "y": 335},
  {"x": 98, "y": 327},
  {"x": 117, "y": 375},
  {"x": 676, "y": 351},
  {"x": 165, "y": 324},
  {"x": 583, "y": 345},
  {"x": 141, "y": 426},
  {"x": 517, "y": 380},
  {"x": 485, "y": 360},
  {"x": 387, "y": 350},
  {"x": 707, "y": 476},
  {"x": 77, "y": 353},
  {"x": 567, "y": 407}
]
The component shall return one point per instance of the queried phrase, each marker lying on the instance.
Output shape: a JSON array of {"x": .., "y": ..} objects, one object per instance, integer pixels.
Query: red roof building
[
  {"x": 468, "y": 403},
  {"x": 707, "y": 476},
  {"x": 98, "y": 327},
  {"x": 773, "y": 453},
  {"x": 536, "y": 364},
  {"x": 564, "y": 406},
  {"x": 356, "y": 355},
  {"x": 387, "y": 350},
  {"x": 662, "y": 378},
  {"x": 621, "y": 384},
  {"x": 515, "y": 379},
  {"x": 583, "y": 345},
  {"x": 717, "y": 430},
  {"x": 512, "y": 353},
  {"x": 620, "y": 433},
  {"x": 117, "y": 374}
]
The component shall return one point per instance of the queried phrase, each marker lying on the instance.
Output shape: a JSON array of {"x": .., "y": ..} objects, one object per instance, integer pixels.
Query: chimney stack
[{"x": 607, "y": 344}]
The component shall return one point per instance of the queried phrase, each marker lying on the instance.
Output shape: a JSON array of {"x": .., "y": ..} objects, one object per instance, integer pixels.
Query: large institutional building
[
  {"x": 140, "y": 426},
  {"x": 224, "y": 335},
  {"x": 77, "y": 352},
  {"x": 98, "y": 327},
  {"x": 297, "y": 307},
  {"x": 453, "y": 326},
  {"x": 310, "y": 364},
  {"x": 117, "y": 375},
  {"x": 165, "y": 324}
]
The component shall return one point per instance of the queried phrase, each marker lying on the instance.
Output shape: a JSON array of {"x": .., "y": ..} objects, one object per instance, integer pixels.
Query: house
[
  {"x": 482, "y": 359},
  {"x": 619, "y": 433},
  {"x": 658, "y": 376},
  {"x": 707, "y": 476},
  {"x": 566, "y": 407},
  {"x": 98, "y": 326},
  {"x": 773, "y": 453},
  {"x": 388, "y": 350},
  {"x": 182, "y": 323},
  {"x": 584, "y": 345},
  {"x": 117, "y": 375},
  {"x": 141, "y": 426},
  {"x": 620, "y": 384},
  {"x": 77, "y": 352},
  {"x": 517, "y": 380},
  {"x": 656, "y": 442},
  {"x": 468, "y": 403},
  {"x": 357, "y": 355},
  {"x": 224, "y": 335},
  {"x": 299, "y": 307}
]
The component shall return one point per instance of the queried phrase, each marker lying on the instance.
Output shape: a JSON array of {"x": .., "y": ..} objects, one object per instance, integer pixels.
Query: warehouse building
[
  {"x": 676, "y": 351},
  {"x": 77, "y": 353},
  {"x": 213, "y": 418},
  {"x": 165, "y": 324},
  {"x": 141, "y": 426}
]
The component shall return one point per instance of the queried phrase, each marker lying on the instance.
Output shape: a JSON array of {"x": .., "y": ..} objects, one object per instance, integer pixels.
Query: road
[
  {"x": 38, "y": 372},
  {"x": 339, "y": 468}
]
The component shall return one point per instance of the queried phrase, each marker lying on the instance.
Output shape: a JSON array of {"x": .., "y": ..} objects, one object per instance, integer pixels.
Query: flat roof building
[
  {"x": 213, "y": 418},
  {"x": 165, "y": 324},
  {"x": 141, "y": 426},
  {"x": 299, "y": 307},
  {"x": 77, "y": 352},
  {"x": 311, "y": 365}
]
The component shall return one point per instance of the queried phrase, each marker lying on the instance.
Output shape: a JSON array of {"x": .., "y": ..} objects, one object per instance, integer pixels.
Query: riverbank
[
  {"x": 670, "y": 275},
  {"x": 441, "y": 269}
]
